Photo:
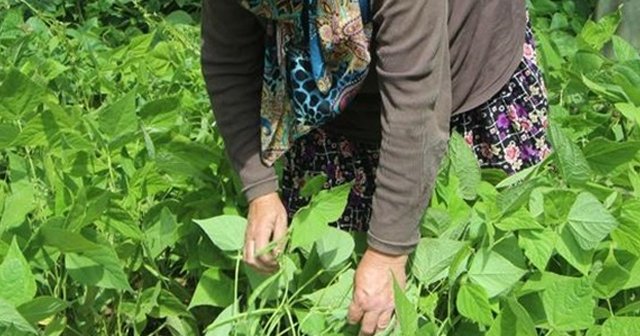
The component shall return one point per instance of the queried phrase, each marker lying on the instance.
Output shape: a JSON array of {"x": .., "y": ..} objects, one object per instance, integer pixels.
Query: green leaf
[
  {"x": 12, "y": 323},
  {"x": 465, "y": 166},
  {"x": 634, "y": 276},
  {"x": 75, "y": 217},
  {"x": 169, "y": 306},
  {"x": 335, "y": 296},
  {"x": 604, "y": 155},
  {"x": 33, "y": 134},
  {"x": 516, "y": 196},
  {"x": 568, "y": 302},
  {"x": 313, "y": 185},
  {"x": 146, "y": 302},
  {"x": 179, "y": 17},
  {"x": 214, "y": 289},
  {"x": 549, "y": 52},
  {"x": 406, "y": 311},
  {"x": 271, "y": 286},
  {"x": 120, "y": 117},
  {"x": 334, "y": 247},
  {"x": 19, "y": 95},
  {"x": 65, "y": 241},
  {"x": 538, "y": 246},
  {"x": 87, "y": 262},
  {"x": 99, "y": 267},
  {"x": 570, "y": 250},
  {"x": 607, "y": 91},
  {"x": 556, "y": 205},
  {"x": 311, "y": 222},
  {"x": 596, "y": 35},
  {"x": 41, "y": 308},
  {"x": 20, "y": 201},
  {"x": 218, "y": 327},
  {"x": 519, "y": 220},
  {"x": 494, "y": 272},
  {"x": 621, "y": 326},
  {"x": 311, "y": 322},
  {"x": 226, "y": 232},
  {"x": 627, "y": 234},
  {"x": 56, "y": 326},
  {"x": 630, "y": 111},
  {"x": 160, "y": 115},
  {"x": 330, "y": 204},
  {"x": 433, "y": 258},
  {"x": 307, "y": 227},
  {"x": 17, "y": 283},
  {"x": 473, "y": 303},
  {"x": 186, "y": 158},
  {"x": 162, "y": 234},
  {"x": 623, "y": 50},
  {"x": 611, "y": 279},
  {"x": 589, "y": 221},
  {"x": 571, "y": 162},
  {"x": 8, "y": 133},
  {"x": 513, "y": 320},
  {"x": 428, "y": 304}
]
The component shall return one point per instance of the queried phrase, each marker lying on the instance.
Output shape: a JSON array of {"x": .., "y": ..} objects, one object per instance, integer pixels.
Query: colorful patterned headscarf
[{"x": 316, "y": 59}]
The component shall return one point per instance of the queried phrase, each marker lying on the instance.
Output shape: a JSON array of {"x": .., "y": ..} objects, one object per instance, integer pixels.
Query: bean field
[{"x": 120, "y": 213}]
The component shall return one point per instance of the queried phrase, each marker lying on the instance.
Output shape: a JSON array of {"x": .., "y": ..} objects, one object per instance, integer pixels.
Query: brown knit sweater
[{"x": 432, "y": 59}]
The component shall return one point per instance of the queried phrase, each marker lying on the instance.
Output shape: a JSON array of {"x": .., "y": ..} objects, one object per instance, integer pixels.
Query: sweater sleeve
[
  {"x": 232, "y": 65},
  {"x": 411, "y": 47}
]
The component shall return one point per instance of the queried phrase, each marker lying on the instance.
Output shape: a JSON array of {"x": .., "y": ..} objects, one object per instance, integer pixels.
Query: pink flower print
[
  {"x": 545, "y": 151},
  {"x": 345, "y": 149},
  {"x": 360, "y": 182},
  {"x": 468, "y": 138},
  {"x": 339, "y": 175},
  {"x": 485, "y": 151},
  {"x": 512, "y": 113},
  {"x": 528, "y": 51},
  {"x": 525, "y": 124},
  {"x": 512, "y": 153}
]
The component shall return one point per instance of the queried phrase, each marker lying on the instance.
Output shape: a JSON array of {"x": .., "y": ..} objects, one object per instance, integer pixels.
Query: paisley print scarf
[{"x": 316, "y": 59}]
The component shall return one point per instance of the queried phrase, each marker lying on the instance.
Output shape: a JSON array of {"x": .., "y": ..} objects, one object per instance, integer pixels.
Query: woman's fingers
[
  {"x": 264, "y": 258},
  {"x": 249, "y": 247},
  {"x": 355, "y": 313},
  {"x": 266, "y": 225},
  {"x": 255, "y": 240},
  {"x": 369, "y": 323},
  {"x": 384, "y": 320},
  {"x": 280, "y": 234}
]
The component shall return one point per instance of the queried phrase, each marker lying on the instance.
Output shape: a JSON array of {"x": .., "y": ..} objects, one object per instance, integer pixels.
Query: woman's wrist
[{"x": 385, "y": 257}]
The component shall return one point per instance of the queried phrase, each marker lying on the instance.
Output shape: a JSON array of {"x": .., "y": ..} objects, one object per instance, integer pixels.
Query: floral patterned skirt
[{"x": 507, "y": 132}]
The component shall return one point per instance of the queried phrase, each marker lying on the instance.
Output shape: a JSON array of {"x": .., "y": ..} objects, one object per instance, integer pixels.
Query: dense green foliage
[{"x": 120, "y": 215}]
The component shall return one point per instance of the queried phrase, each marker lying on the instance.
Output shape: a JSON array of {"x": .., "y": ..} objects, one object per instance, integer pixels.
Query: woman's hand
[
  {"x": 373, "y": 303},
  {"x": 267, "y": 225}
]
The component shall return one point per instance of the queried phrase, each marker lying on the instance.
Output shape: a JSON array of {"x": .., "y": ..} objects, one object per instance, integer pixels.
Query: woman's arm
[
  {"x": 232, "y": 53},
  {"x": 412, "y": 51}
]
